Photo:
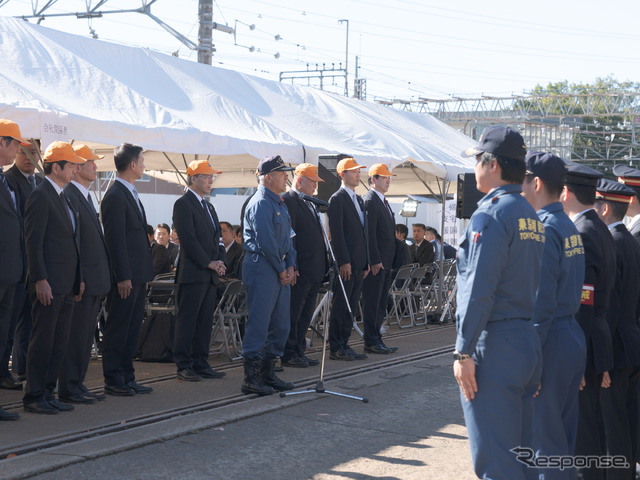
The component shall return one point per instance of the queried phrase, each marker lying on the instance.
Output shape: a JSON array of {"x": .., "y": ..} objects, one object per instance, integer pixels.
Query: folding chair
[
  {"x": 401, "y": 296},
  {"x": 450, "y": 290},
  {"x": 161, "y": 294},
  {"x": 321, "y": 312},
  {"x": 230, "y": 314},
  {"x": 422, "y": 293}
]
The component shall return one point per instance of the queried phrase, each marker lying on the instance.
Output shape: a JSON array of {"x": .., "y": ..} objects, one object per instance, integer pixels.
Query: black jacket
[
  {"x": 94, "y": 260},
  {"x": 233, "y": 261},
  {"x": 600, "y": 272},
  {"x": 624, "y": 305},
  {"x": 52, "y": 246},
  {"x": 424, "y": 254},
  {"x": 311, "y": 253},
  {"x": 199, "y": 240},
  {"x": 12, "y": 244},
  {"x": 20, "y": 184},
  {"x": 348, "y": 237},
  {"x": 125, "y": 233},
  {"x": 381, "y": 229}
]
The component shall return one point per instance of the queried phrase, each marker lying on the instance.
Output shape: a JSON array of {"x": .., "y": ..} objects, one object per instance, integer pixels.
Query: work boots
[
  {"x": 253, "y": 382},
  {"x": 268, "y": 374}
]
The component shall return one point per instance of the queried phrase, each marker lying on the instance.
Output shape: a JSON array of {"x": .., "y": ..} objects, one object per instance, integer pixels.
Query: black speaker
[
  {"x": 468, "y": 195},
  {"x": 327, "y": 170}
]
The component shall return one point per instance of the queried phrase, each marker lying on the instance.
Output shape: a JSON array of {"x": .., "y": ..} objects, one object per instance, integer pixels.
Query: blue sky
[{"x": 406, "y": 48}]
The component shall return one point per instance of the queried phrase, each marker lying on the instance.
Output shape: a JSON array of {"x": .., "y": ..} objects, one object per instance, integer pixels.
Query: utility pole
[
  {"x": 205, "y": 33},
  {"x": 346, "y": 60}
]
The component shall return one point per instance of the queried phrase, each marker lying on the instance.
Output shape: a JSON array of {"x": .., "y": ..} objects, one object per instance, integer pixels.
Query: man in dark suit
[
  {"x": 22, "y": 180},
  {"x": 94, "y": 262},
  {"x": 162, "y": 234},
  {"x": 125, "y": 233},
  {"x": 619, "y": 402},
  {"x": 201, "y": 263},
  {"x": 349, "y": 243},
  {"x": 11, "y": 248},
  {"x": 381, "y": 227},
  {"x": 422, "y": 251},
  {"x": 159, "y": 255},
  {"x": 577, "y": 199},
  {"x": 311, "y": 263},
  {"x": 631, "y": 178},
  {"x": 55, "y": 277},
  {"x": 233, "y": 251}
]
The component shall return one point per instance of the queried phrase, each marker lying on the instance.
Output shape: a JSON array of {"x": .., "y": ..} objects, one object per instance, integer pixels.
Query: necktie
[
  {"x": 68, "y": 209},
  {"x": 5, "y": 184},
  {"x": 93, "y": 208},
  {"x": 206, "y": 209},
  {"x": 359, "y": 207},
  {"x": 32, "y": 181},
  {"x": 313, "y": 210},
  {"x": 386, "y": 204},
  {"x": 135, "y": 195}
]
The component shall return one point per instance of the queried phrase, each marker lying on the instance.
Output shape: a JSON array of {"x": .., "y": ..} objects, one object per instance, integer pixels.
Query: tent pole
[
  {"x": 444, "y": 189},
  {"x": 413, "y": 169},
  {"x": 174, "y": 166}
]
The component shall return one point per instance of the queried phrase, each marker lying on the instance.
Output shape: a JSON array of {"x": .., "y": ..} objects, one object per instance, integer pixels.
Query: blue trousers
[
  {"x": 564, "y": 356},
  {"x": 508, "y": 360},
  {"x": 268, "y": 301}
]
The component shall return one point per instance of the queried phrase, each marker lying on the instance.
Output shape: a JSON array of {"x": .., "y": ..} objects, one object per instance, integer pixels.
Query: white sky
[{"x": 406, "y": 48}]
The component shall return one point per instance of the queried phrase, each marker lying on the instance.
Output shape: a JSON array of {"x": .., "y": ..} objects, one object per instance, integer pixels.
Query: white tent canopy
[{"x": 66, "y": 87}]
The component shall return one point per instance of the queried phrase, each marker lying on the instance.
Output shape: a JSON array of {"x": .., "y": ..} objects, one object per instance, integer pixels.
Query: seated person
[
  {"x": 162, "y": 236},
  {"x": 402, "y": 255},
  {"x": 234, "y": 251},
  {"x": 159, "y": 254}
]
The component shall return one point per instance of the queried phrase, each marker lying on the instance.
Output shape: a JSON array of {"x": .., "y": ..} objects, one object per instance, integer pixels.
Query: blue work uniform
[
  {"x": 564, "y": 349},
  {"x": 498, "y": 275},
  {"x": 268, "y": 252}
]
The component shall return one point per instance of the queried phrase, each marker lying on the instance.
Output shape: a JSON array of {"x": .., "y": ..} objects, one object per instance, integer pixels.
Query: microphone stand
[{"x": 334, "y": 273}]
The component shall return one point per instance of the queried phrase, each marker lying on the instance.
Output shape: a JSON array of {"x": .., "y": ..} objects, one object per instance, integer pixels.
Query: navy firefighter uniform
[
  {"x": 564, "y": 350},
  {"x": 498, "y": 265},
  {"x": 268, "y": 252}
]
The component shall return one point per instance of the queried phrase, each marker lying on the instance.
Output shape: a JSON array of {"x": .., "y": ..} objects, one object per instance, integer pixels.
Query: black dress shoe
[
  {"x": 188, "y": 375},
  {"x": 61, "y": 407},
  {"x": 297, "y": 362},
  {"x": 79, "y": 399},
  {"x": 210, "y": 373},
  {"x": 96, "y": 396},
  {"x": 8, "y": 416},
  {"x": 376, "y": 349},
  {"x": 9, "y": 383},
  {"x": 139, "y": 389},
  {"x": 391, "y": 349},
  {"x": 354, "y": 354},
  {"x": 312, "y": 361},
  {"x": 119, "y": 390},
  {"x": 341, "y": 355},
  {"x": 39, "y": 406}
]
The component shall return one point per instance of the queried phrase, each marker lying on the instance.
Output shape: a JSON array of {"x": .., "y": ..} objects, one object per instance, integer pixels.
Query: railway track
[{"x": 305, "y": 383}]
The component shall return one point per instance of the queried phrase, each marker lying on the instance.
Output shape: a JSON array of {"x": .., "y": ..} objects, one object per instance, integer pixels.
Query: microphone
[{"x": 314, "y": 200}]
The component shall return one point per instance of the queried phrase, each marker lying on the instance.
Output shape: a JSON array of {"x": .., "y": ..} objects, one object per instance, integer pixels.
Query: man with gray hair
[{"x": 268, "y": 271}]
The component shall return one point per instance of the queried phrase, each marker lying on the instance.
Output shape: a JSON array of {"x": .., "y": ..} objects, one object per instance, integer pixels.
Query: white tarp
[{"x": 76, "y": 88}]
